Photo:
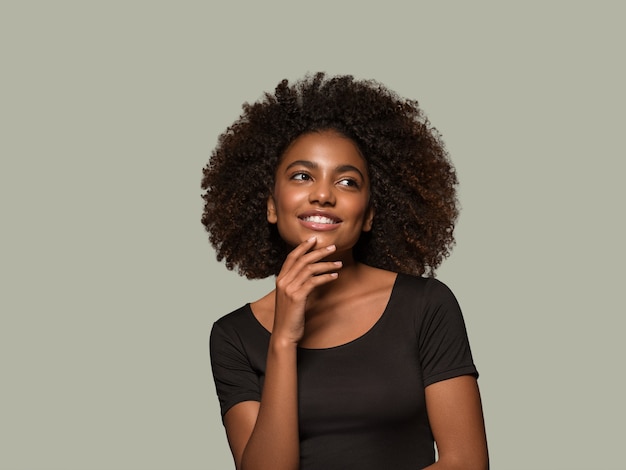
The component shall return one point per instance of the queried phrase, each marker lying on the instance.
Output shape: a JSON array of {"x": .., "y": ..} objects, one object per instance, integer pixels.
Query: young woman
[{"x": 358, "y": 358}]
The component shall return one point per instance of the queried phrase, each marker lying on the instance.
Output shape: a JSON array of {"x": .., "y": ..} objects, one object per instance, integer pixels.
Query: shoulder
[
  {"x": 428, "y": 290},
  {"x": 234, "y": 326},
  {"x": 428, "y": 302},
  {"x": 234, "y": 319},
  {"x": 238, "y": 332},
  {"x": 440, "y": 331}
]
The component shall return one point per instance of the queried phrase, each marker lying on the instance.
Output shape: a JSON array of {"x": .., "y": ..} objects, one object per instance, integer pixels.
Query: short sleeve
[
  {"x": 442, "y": 337},
  {"x": 235, "y": 378}
]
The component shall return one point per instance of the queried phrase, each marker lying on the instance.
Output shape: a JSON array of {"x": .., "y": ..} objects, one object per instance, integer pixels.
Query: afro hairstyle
[{"x": 412, "y": 181}]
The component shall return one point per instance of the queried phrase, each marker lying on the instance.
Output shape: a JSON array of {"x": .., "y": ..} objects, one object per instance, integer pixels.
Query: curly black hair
[{"x": 413, "y": 183}]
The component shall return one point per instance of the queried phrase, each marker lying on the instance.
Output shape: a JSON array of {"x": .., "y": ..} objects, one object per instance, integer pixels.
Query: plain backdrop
[{"x": 109, "y": 111}]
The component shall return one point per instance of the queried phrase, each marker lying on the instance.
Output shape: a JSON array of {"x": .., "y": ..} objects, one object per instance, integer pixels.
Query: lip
[{"x": 318, "y": 225}]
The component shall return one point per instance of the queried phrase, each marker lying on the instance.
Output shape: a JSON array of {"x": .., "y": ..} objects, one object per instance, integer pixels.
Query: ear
[
  {"x": 272, "y": 218},
  {"x": 368, "y": 220}
]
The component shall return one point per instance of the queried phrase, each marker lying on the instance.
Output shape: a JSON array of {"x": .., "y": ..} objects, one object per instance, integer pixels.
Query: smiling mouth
[{"x": 320, "y": 219}]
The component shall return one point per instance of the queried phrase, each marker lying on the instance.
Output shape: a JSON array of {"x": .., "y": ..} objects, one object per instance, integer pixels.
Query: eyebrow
[{"x": 314, "y": 166}]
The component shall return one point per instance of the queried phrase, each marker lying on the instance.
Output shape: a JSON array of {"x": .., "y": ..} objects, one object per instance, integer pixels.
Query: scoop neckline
[{"x": 374, "y": 326}]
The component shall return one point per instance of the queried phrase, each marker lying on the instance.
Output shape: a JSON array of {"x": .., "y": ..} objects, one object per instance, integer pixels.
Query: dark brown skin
[{"x": 324, "y": 173}]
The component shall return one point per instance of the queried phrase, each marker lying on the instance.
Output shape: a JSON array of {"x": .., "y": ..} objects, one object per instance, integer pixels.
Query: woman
[{"x": 357, "y": 359}]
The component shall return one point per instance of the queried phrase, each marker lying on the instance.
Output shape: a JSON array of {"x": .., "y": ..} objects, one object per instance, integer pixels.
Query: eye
[
  {"x": 348, "y": 182},
  {"x": 300, "y": 176}
]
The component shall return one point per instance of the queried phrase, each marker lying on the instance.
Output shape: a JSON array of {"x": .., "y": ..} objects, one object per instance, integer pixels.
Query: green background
[{"x": 109, "y": 111}]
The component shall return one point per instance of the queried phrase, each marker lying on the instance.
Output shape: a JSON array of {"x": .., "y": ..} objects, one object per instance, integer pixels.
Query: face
[{"x": 321, "y": 190}]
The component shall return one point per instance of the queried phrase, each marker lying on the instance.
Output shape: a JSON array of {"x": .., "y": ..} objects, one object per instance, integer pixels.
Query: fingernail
[
  {"x": 330, "y": 248},
  {"x": 338, "y": 263},
  {"x": 312, "y": 239}
]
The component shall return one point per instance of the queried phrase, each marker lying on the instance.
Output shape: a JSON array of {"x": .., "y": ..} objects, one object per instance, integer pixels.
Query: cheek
[{"x": 288, "y": 200}]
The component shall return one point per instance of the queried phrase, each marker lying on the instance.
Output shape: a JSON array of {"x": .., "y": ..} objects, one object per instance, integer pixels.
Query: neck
[{"x": 349, "y": 275}]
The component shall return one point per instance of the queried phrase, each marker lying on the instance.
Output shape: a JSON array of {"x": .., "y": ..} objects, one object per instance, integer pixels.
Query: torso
[
  {"x": 328, "y": 322},
  {"x": 368, "y": 389}
]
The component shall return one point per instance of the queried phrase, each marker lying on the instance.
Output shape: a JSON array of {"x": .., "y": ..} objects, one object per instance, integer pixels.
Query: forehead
[{"x": 327, "y": 148}]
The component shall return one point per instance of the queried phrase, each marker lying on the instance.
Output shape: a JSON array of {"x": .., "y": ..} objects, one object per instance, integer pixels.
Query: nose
[{"x": 322, "y": 193}]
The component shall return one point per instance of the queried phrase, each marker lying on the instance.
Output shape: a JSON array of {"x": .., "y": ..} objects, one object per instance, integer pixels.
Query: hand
[{"x": 302, "y": 271}]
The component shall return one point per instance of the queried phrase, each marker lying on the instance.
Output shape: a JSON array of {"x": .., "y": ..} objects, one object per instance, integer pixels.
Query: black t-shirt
[{"x": 361, "y": 404}]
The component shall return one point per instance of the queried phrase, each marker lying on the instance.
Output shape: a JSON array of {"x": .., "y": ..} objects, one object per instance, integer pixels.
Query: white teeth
[{"x": 318, "y": 219}]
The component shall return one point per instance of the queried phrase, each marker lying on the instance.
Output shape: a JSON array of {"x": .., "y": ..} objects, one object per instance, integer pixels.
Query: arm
[
  {"x": 265, "y": 435},
  {"x": 456, "y": 418}
]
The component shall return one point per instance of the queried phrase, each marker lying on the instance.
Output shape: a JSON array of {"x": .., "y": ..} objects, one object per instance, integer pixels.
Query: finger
[
  {"x": 304, "y": 254},
  {"x": 314, "y": 256},
  {"x": 299, "y": 285},
  {"x": 303, "y": 264},
  {"x": 298, "y": 290},
  {"x": 316, "y": 269},
  {"x": 297, "y": 252},
  {"x": 319, "y": 280}
]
